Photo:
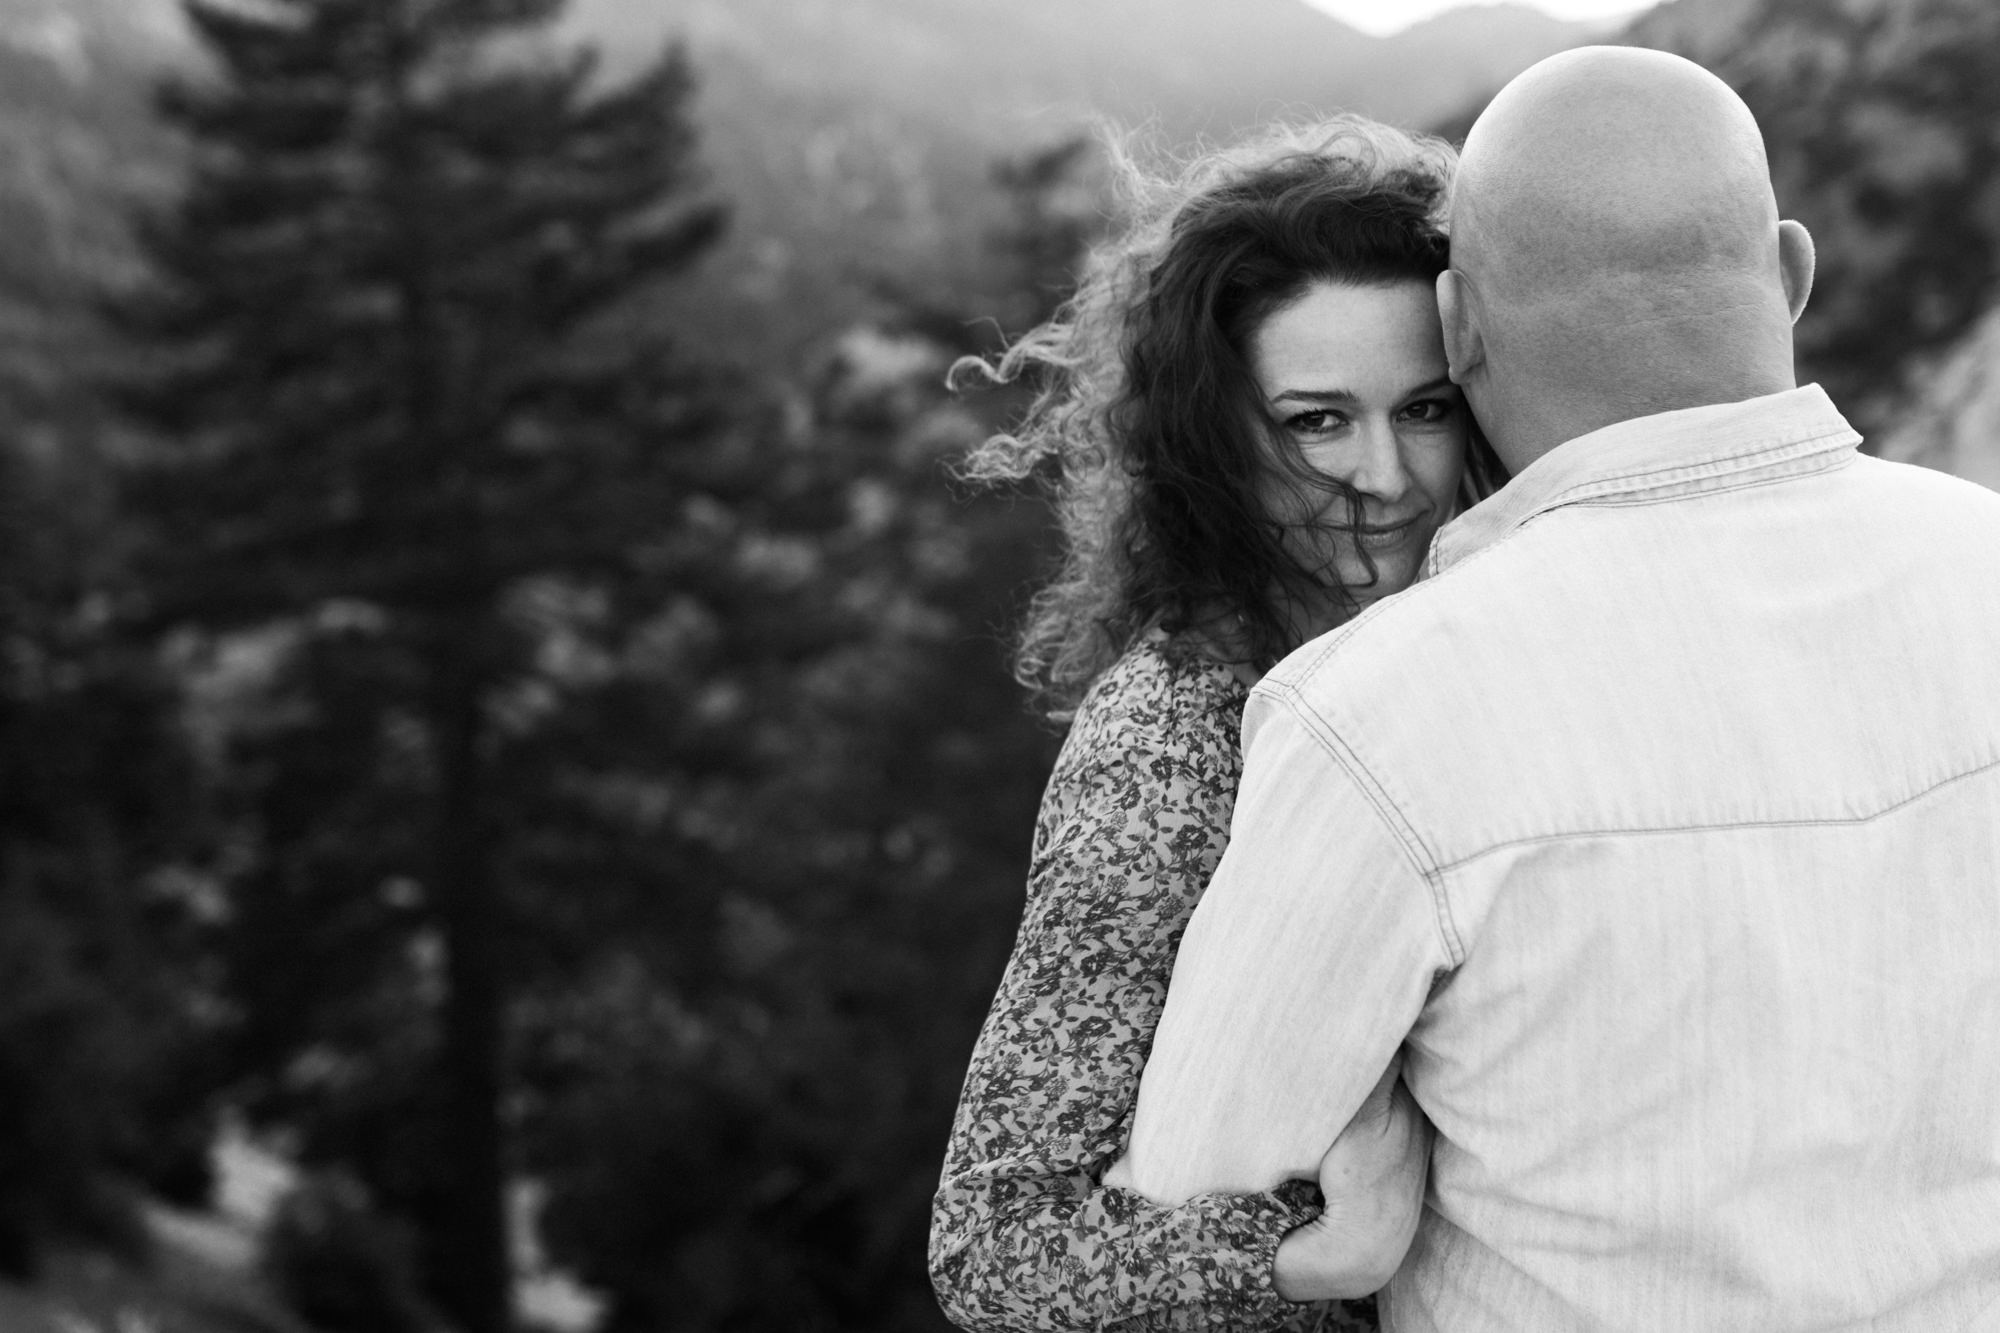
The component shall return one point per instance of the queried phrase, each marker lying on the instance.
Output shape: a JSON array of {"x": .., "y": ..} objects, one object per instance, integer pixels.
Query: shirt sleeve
[
  {"x": 1304, "y": 968},
  {"x": 1024, "y": 1234}
]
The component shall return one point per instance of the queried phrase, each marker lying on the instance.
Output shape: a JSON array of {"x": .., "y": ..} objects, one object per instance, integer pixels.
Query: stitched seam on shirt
[
  {"x": 1638, "y": 499},
  {"x": 1400, "y": 828},
  {"x": 1744, "y": 825},
  {"x": 1841, "y": 446},
  {"x": 1331, "y": 641},
  {"x": 1422, "y": 861},
  {"x": 1465, "y": 562},
  {"x": 1339, "y": 636},
  {"x": 1800, "y": 449}
]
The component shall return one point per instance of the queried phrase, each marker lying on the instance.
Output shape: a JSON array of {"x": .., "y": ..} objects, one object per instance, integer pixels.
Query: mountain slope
[
  {"x": 990, "y": 71},
  {"x": 856, "y": 137},
  {"x": 1463, "y": 56},
  {"x": 77, "y": 146}
]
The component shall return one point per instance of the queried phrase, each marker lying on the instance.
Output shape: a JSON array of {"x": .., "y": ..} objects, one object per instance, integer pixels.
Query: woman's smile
[{"x": 1390, "y": 536}]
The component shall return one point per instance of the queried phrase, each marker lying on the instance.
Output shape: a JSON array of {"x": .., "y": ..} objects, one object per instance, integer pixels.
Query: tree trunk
[{"x": 475, "y": 1272}]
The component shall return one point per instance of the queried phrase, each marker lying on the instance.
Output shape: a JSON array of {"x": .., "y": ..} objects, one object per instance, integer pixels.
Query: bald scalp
[
  {"x": 1616, "y": 251},
  {"x": 1614, "y": 172}
]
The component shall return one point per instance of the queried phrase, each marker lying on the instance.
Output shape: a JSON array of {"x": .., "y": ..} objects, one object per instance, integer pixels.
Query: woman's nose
[{"x": 1379, "y": 467}]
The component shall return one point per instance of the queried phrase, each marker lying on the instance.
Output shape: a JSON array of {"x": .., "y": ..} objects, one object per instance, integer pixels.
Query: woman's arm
[{"x": 1024, "y": 1235}]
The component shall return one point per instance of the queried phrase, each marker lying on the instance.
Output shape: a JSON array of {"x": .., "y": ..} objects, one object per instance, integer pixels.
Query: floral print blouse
[{"x": 1023, "y": 1234}]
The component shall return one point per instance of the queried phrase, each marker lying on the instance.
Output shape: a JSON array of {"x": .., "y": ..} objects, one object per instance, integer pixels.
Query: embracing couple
[{"x": 1599, "y": 923}]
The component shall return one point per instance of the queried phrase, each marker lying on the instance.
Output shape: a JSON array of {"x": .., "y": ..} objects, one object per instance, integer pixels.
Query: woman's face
[{"x": 1355, "y": 378}]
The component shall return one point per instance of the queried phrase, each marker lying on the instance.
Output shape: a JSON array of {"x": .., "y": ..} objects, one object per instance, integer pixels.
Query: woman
[{"x": 1255, "y": 438}]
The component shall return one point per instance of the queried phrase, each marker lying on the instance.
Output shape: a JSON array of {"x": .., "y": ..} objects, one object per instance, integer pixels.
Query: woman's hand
[{"x": 1373, "y": 1180}]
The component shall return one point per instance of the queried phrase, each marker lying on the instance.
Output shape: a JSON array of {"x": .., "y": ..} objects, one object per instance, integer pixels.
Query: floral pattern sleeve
[{"x": 1023, "y": 1234}]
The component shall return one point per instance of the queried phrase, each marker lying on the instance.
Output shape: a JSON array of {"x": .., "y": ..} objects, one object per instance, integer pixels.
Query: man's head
[{"x": 1616, "y": 251}]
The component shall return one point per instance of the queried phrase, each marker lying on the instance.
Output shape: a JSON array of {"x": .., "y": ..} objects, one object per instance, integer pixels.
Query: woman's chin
[{"x": 1392, "y": 574}]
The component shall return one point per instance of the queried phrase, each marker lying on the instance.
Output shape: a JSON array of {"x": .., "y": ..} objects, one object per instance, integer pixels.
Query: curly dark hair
[{"x": 1149, "y": 410}]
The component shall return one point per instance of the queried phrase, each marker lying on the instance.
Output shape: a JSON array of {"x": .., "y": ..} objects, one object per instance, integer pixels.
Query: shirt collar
[{"x": 1695, "y": 450}]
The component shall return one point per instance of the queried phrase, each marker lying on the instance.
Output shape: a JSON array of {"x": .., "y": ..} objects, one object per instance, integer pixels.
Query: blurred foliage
[
  {"x": 737, "y": 1107},
  {"x": 744, "y": 1126},
  {"x": 339, "y": 1265},
  {"x": 103, "y": 1012}
]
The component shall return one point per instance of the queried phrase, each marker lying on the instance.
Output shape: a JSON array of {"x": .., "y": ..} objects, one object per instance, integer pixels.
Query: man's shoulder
[
  {"x": 1415, "y": 640},
  {"x": 1931, "y": 484},
  {"x": 1895, "y": 508},
  {"x": 1495, "y": 603}
]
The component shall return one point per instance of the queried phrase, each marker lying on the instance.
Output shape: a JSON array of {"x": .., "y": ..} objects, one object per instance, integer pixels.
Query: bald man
[{"x": 1657, "y": 832}]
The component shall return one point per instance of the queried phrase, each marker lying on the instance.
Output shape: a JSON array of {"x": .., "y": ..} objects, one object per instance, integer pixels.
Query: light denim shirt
[{"x": 1660, "y": 829}]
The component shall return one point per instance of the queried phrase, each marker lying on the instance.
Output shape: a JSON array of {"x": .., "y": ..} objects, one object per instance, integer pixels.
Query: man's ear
[
  {"x": 1795, "y": 265},
  {"x": 1464, "y": 348}
]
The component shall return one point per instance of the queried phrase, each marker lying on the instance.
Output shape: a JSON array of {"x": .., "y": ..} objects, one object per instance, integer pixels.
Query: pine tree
[
  {"x": 758, "y": 1148},
  {"x": 410, "y": 427},
  {"x": 98, "y": 1029}
]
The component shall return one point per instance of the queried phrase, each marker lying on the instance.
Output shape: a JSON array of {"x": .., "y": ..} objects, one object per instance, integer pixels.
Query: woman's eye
[
  {"x": 1431, "y": 409},
  {"x": 1316, "y": 422}
]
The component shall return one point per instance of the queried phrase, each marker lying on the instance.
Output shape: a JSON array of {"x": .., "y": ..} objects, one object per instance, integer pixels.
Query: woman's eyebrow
[
  {"x": 1345, "y": 397},
  {"x": 1341, "y": 396}
]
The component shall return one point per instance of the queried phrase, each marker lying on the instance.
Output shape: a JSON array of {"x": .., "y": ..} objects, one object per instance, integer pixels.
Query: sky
[{"x": 1383, "y": 17}]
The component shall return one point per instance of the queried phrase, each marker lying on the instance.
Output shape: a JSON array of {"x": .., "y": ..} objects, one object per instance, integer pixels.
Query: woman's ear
[
  {"x": 1795, "y": 265},
  {"x": 1464, "y": 348}
]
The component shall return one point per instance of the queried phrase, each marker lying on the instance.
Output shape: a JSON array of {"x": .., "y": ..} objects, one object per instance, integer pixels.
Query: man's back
[
  {"x": 1699, "y": 755},
  {"x": 1661, "y": 831}
]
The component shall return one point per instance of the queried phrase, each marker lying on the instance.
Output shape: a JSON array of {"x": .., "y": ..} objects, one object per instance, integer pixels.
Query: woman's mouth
[{"x": 1387, "y": 536}]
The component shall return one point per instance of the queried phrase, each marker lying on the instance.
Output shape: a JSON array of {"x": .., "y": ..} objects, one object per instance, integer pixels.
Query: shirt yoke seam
[
  {"x": 1421, "y": 859},
  {"x": 1637, "y": 499},
  {"x": 1408, "y": 840},
  {"x": 1799, "y": 449},
  {"x": 1840, "y": 447},
  {"x": 1728, "y": 826}
]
